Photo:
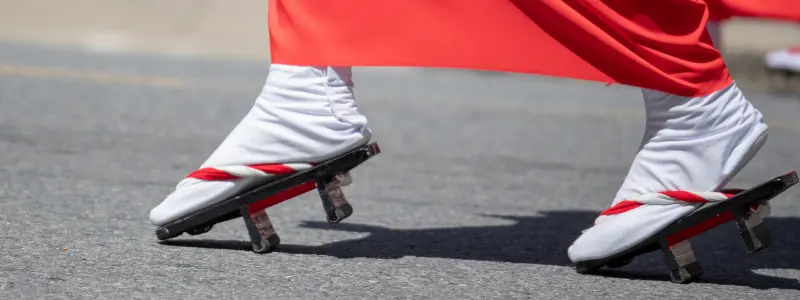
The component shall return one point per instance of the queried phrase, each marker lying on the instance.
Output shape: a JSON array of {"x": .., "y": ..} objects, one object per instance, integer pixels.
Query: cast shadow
[{"x": 544, "y": 239}]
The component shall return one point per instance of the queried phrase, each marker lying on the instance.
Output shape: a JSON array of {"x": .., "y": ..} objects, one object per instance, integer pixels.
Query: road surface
[{"x": 485, "y": 180}]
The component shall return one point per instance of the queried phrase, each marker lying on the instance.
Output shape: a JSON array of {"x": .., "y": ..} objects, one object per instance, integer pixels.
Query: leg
[
  {"x": 303, "y": 115},
  {"x": 695, "y": 144},
  {"x": 715, "y": 31},
  {"x": 785, "y": 62}
]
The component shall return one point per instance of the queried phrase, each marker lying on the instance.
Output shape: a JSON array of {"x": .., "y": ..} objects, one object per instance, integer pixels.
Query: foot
[
  {"x": 304, "y": 115},
  {"x": 690, "y": 144},
  {"x": 784, "y": 60}
]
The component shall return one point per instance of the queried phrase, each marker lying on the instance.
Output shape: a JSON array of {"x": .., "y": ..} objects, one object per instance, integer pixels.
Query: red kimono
[{"x": 661, "y": 45}]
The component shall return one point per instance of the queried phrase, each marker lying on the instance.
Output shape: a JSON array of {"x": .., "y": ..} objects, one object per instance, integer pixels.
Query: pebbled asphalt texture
[{"x": 485, "y": 180}]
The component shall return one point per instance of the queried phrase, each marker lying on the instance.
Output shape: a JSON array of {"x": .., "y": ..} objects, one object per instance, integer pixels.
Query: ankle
[{"x": 675, "y": 117}]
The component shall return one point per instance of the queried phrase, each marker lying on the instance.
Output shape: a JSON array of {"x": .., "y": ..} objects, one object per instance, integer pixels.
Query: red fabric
[
  {"x": 786, "y": 10},
  {"x": 281, "y": 196},
  {"x": 626, "y": 205},
  {"x": 661, "y": 45},
  {"x": 621, "y": 207},
  {"x": 684, "y": 196},
  {"x": 699, "y": 228},
  {"x": 213, "y": 174}
]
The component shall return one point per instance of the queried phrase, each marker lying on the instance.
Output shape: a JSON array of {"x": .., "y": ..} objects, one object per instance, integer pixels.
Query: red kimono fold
[{"x": 661, "y": 45}]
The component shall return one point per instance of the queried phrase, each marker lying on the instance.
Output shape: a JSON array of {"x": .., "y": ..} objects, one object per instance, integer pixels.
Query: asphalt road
[{"x": 484, "y": 181}]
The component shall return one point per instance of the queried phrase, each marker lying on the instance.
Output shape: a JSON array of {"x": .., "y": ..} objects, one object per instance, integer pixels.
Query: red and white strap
[
  {"x": 241, "y": 171},
  {"x": 665, "y": 198}
]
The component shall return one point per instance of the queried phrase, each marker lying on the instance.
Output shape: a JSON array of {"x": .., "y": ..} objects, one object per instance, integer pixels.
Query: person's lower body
[
  {"x": 309, "y": 114},
  {"x": 785, "y": 61},
  {"x": 715, "y": 31},
  {"x": 694, "y": 145},
  {"x": 691, "y": 143},
  {"x": 304, "y": 115}
]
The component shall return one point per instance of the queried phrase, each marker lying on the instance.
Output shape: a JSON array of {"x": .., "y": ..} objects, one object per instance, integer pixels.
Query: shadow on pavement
[{"x": 543, "y": 239}]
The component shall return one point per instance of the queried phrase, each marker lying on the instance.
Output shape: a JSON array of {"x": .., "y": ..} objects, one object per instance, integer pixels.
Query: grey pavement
[{"x": 485, "y": 180}]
